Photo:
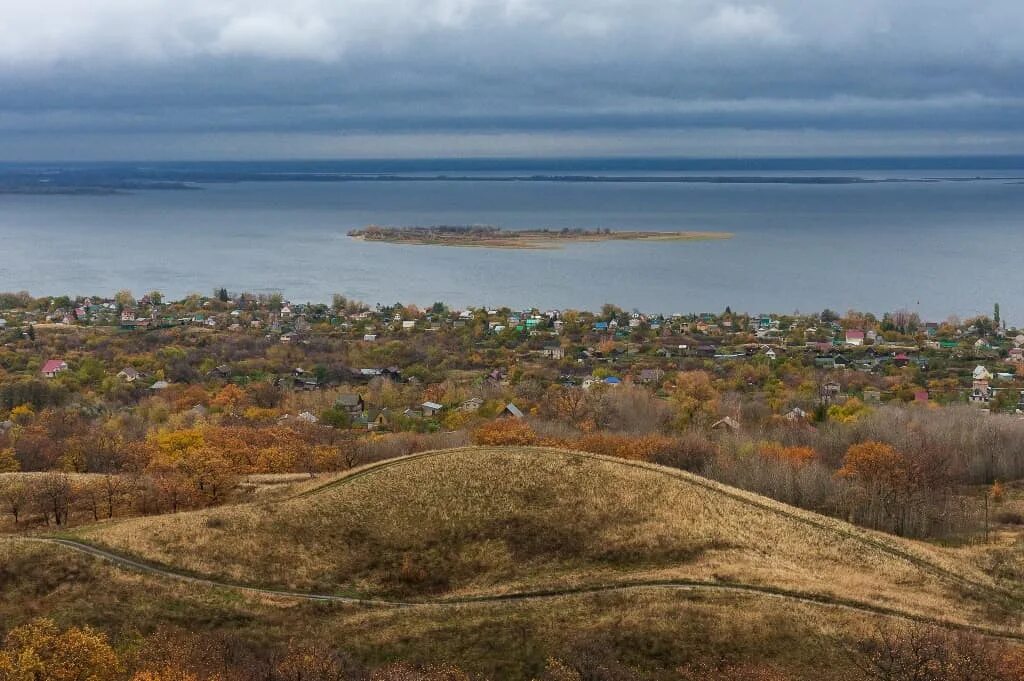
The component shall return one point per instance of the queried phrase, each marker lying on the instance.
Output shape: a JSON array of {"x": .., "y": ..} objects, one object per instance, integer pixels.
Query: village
[{"x": 809, "y": 362}]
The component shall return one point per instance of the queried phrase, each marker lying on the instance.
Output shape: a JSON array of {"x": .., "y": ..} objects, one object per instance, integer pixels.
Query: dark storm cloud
[{"x": 911, "y": 70}]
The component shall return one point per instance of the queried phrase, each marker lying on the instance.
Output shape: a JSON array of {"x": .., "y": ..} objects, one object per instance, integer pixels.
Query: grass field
[
  {"x": 484, "y": 521},
  {"x": 653, "y": 631}
]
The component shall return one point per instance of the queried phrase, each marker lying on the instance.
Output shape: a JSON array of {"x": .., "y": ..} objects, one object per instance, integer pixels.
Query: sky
[{"x": 273, "y": 79}]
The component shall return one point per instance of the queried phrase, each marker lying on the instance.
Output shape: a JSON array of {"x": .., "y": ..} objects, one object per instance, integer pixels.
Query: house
[
  {"x": 554, "y": 351},
  {"x": 369, "y": 337},
  {"x": 378, "y": 419},
  {"x": 471, "y": 405},
  {"x": 872, "y": 395},
  {"x": 350, "y": 403},
  {"x": 728, "y": 423},
  {"x": 921, "y": 396},
  {"x": 826, "y": 362},
  {"x": 511, "y": 411},
  {"x": 796, "y": 414},
  {"x": 854, "y": 337},
  {"x": 830, "y": 390},
  {"x": 648, "y": 376},
  {"x": 222, "y": 371},
  {"x": 981, "y": 391},
  {"x": 128, "y": 374},
  {"x": 431, "y": 408},
  {"x": 159, "y": 385},
  {"x": 52, "y": 367},
  {"x": 1016, "y": 356}
]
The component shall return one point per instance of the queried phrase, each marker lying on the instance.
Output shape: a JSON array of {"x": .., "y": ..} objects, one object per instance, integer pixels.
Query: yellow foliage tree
[
  {"x": 848, "y": 411},
  {"x": 40, "y": 651},
  {"x": 696, "y": 399},
  {"x": 22, "y": 414},
  {"x": 8, "y": 462}
]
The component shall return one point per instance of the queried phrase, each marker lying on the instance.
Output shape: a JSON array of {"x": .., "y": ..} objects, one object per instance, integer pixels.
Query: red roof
[
  {"x": 854, "y": 333},
  {"x": 53, "y": 365}
]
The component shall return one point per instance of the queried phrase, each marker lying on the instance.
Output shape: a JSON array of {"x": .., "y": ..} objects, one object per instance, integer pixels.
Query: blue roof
[
  {"x": 601, "y": 326},
  {"x": 612, "y": 379}
]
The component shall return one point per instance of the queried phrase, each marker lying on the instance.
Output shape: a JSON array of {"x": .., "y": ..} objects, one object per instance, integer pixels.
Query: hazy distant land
[{"x": 486, "y": 236}]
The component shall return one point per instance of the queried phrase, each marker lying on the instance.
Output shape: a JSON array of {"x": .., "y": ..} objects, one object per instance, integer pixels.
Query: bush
[{"x": 505, "y": 432}]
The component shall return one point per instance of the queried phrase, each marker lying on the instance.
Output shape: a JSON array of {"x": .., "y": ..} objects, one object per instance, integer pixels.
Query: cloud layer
[{"x": 194, "y": 78}]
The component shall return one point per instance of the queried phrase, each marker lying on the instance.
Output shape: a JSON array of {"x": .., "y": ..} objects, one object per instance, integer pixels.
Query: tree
[
  {"x": 123, "y": 299},
  {"x": 53, "y": 494},
  {"x": 8, "y": 462},
  {"x": 39, "y": 651},
  {"x": 888, "y": 483},
  {"x": 230, "y": 398},
  {"x": 14, "y": 495},
  {"x": 913, "y": 652},
  {"x": 505, "y": 432},
  {"x": 696, "y": 399}
]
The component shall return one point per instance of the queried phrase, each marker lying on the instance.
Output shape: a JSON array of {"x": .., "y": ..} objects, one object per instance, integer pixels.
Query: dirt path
[{"x": 128, "y": 563}]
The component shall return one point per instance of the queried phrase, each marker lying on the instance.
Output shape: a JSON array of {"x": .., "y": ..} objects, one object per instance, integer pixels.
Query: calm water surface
[{"x": 939, "y": 248}]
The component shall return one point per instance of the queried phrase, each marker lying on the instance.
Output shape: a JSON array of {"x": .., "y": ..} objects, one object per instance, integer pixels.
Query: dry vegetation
[
  {"x": 652, "y": 633},
  {"x": 479, "y": 521}
]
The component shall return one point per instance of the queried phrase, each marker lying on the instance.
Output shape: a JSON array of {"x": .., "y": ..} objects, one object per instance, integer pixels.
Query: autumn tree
[
  {"x": 8, "y": 462},
  {"x": 505, "y": 432},
  {"x": 695, "y": 399},
  {"x": 888, "y": 485},
  {"x": 914, "y": 652},
  {"x": 40, "y": 651},
  {"x": 15, "y": 496},
  {"x": 53, "y": 494}
]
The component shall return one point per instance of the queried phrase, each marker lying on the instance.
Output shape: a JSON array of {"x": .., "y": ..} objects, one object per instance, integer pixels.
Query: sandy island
[{"x": 493, "y": 237}]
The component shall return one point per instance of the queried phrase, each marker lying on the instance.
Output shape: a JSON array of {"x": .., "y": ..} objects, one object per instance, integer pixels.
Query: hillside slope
[{"x": 486, "y": 521}]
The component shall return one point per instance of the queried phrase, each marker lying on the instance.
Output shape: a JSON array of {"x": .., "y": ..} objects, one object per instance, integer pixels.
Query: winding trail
[
  {"x": 695, "y": 586},
  {"x": 706, "y": 486}
]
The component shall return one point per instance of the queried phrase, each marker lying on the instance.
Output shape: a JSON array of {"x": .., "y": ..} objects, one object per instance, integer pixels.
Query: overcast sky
[{"x": 218, "y": 79}]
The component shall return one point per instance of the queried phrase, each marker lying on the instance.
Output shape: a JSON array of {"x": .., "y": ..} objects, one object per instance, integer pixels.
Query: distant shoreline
[{"x": 485, "y": 236}]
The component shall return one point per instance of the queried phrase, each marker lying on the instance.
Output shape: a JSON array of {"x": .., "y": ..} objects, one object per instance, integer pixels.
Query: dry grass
[
  {"x": 653, "y": 631},
  {"x": 496, "y": 520}
]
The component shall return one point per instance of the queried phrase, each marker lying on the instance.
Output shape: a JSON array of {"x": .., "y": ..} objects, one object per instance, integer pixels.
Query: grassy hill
[
  {"x": 653, "y": 631},
  {"x": 488, "y": 521}
]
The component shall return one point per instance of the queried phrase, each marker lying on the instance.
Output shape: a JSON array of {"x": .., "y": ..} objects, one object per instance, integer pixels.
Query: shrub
[{"x": 505, "y": 432}]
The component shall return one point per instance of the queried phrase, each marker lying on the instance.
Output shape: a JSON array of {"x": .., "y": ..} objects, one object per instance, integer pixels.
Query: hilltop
[{"x": 486, "y": 522}]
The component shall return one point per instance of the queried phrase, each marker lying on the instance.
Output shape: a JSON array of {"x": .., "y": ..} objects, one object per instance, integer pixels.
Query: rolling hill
[{"x": 487, "y": 523}]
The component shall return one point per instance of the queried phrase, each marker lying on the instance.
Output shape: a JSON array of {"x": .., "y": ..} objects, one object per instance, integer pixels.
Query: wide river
[{"x": 942, "y": 248}]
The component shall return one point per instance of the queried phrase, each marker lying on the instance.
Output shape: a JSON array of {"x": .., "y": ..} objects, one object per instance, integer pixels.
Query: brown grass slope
[
  {"x": 655, "y": 630},
  {"x": 486, "y": 521}
]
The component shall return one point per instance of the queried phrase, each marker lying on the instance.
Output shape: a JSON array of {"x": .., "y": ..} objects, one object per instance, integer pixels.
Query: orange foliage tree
[{"x": 505, "y": 432}]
